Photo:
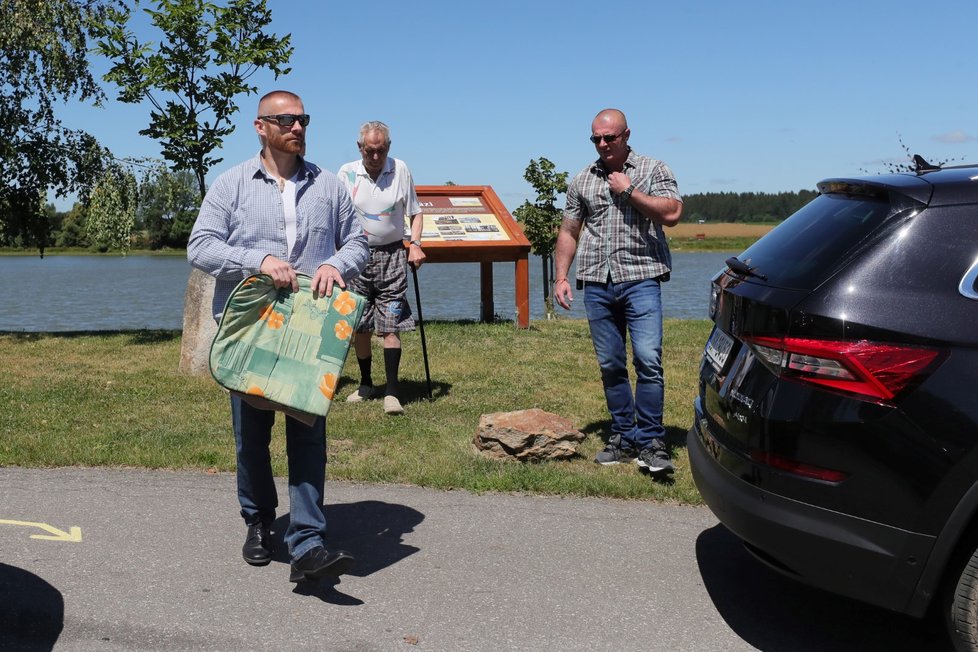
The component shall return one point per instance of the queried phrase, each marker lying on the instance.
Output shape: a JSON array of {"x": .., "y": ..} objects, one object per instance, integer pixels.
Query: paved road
[{"x": 158, "y": 567}]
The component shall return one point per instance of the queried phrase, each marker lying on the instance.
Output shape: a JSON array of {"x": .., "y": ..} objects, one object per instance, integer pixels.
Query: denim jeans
[
  {"x": 635, "y": 307},
  {"x": 306, "y": 448}
]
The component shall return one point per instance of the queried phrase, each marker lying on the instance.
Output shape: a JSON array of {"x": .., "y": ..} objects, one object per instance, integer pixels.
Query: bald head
[
  {"x": 612, "y": 119},
  {"x": 270, "y": 102}
]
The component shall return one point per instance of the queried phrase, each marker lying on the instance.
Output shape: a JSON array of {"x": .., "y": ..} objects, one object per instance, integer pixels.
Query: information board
[{"x": 469, "y": 224}]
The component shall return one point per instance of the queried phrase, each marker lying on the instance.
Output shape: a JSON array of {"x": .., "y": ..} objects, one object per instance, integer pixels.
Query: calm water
[{"x": 64, "y": 293}]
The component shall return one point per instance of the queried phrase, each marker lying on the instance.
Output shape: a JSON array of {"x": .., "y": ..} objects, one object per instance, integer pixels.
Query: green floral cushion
[{"x": 282, "y": 349}]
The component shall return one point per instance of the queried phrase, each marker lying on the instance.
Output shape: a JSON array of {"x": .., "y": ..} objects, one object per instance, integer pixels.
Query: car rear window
[{"x": 809, "y": 246}]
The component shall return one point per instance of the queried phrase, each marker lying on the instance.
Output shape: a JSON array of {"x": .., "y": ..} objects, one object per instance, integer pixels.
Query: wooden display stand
[{"x": 469, "y": 224}]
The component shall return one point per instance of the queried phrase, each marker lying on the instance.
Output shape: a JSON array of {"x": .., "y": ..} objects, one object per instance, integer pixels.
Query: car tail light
[
  {"x": 797, "y": 468},
  {"x": 874, "y": 370}
]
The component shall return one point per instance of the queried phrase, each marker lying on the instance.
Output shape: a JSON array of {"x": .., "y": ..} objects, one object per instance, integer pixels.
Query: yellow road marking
[{"x": 73, "y": 534}]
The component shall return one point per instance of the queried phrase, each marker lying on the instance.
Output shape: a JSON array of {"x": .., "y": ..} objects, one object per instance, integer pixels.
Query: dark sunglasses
[
  {"x": 608, "y": 139},
  {"x": 286, "y": 119}
]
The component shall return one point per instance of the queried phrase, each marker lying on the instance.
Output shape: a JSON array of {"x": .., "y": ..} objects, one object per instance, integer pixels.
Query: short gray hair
[{"x": 374, "y": 125}]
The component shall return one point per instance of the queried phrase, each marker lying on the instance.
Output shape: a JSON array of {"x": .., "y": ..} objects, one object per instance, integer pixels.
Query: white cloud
[{"x": 957, "y": 136}]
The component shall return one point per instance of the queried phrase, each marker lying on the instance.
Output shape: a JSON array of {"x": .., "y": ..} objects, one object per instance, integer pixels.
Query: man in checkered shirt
[{"x": 616, "y": 208}]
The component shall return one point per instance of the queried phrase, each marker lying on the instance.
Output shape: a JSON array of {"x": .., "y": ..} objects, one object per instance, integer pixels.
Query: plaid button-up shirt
[
  {"x": 617, "y": 241},
  {"x": 242, "y": 220}
]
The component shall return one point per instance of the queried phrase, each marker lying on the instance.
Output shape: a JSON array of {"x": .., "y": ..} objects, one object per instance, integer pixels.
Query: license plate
[{"x": 718, "y": 348}]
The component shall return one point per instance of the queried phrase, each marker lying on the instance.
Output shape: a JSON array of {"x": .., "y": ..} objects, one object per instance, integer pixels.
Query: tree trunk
[{"x": 199, "y": 326}]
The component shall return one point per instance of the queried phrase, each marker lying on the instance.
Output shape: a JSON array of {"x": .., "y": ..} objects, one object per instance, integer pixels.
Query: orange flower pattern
[
  {"x": 343, "y": 330},
  {"x": 328, "y": 385},
  {"x": 275, "y": 319},
  {"x": 255, "y": 390},
  {"x": 344, "y": 303}
]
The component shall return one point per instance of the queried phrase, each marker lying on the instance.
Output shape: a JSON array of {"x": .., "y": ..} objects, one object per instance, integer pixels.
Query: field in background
[
  {"x": 715, "y": 236},
  {"x": 685, "y": 230}
]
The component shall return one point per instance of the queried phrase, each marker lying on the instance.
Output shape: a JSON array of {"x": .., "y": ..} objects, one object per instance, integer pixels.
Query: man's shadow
[
  {"x": 371, "y": 529},
  {"x": 31, "y": 611}
]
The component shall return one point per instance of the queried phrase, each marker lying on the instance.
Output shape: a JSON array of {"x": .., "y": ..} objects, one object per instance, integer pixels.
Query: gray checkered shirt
[
  {"x": 616, "y": 240},
  {"x": 242, "y": 220}
]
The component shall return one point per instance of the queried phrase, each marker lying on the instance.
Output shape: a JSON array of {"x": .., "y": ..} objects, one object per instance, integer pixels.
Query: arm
[
  {"x": 570, "y": 231},
  {"x": 415, "y": 252},
  {"x": 412, "y": 207},
  {"x": 663, "y": 210},
  {"x": 208, "y": 249}
]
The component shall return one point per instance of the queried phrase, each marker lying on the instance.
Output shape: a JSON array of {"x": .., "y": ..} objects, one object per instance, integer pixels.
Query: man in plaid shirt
[{"x": 616, "y": 208}]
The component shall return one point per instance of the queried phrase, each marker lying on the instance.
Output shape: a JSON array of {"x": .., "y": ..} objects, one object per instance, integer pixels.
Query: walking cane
[{"x": 424, "y": 344}]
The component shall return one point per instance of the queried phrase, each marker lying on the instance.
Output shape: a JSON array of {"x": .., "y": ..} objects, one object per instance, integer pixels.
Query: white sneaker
[
  {"x": 363, "y": 393},
  {"x": 392, "y": 405}
]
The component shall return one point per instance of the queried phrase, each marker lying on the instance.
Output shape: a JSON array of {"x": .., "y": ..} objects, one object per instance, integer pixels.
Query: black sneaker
[
  {"x": 317, "y": 564},
  {"x": 656, "y": 458},
  {"x": 258, "y": 546},
  {"x": 614, "y": 452}
]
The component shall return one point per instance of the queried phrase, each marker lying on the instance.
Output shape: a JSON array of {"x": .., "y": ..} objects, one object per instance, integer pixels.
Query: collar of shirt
[
  {"x": 599, "y": 168},
  {"x": 258, "y": 163},
  {"x": 388, "y": 168}
]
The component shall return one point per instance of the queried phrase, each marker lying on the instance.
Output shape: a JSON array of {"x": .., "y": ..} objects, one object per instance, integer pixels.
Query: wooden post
[{"x": 488, "y": 312}]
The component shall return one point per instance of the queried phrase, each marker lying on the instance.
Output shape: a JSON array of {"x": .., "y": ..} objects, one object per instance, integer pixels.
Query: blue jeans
[
  {"x": 611, "y": 310},
  {"x": 306, "y": 448}
]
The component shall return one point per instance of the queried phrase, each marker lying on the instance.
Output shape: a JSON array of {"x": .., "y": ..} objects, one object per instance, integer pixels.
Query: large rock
[
  {"x": 199, "y": 327},
  {"x": 527, "y": 435}
]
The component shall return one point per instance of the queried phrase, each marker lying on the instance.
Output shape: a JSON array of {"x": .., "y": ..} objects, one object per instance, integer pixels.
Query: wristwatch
[
  {"x": 416, "y": 243},
  {"x": 627, "y": 192}
]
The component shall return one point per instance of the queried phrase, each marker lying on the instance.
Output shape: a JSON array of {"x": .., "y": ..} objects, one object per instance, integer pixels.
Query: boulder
[
  {"x": 526, "y": 435},
  {"x": 199, "y": 327}
]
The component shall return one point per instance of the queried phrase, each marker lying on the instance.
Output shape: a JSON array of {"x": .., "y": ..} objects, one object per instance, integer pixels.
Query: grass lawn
[{"x": 118, "y": 399}]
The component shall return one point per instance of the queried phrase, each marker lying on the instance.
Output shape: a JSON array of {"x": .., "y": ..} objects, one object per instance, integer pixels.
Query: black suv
[{"x": 836, "y": 427}]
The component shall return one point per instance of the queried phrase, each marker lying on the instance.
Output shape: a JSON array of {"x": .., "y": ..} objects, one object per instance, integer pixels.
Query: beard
[{"x": 287, "y": 144}]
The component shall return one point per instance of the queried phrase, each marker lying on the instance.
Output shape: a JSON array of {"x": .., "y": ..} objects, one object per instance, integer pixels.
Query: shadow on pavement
[
  {"x": 773, "y": 612},
  {"x": 31, "y": 611},
  {"x": 371, "y": 529}
]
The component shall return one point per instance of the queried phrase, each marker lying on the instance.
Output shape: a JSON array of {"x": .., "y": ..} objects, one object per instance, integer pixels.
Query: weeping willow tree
[{"x": 112, "y": 210}]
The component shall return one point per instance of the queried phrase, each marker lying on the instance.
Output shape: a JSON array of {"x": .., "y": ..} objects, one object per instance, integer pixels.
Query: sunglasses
[
  {"x": 608, "y": 138},
  {"x": 286, "y": 119}
]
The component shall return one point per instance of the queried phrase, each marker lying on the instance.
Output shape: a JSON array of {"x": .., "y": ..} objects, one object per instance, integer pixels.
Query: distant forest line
[{"x": 744, "y": 206}]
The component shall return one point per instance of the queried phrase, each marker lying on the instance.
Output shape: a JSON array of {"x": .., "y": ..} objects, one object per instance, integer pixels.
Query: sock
[
  {"x": 365, "y": 378},
  {"x": 392, "y": 362}
]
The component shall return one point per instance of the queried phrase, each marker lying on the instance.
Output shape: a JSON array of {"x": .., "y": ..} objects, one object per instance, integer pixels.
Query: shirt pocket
[{"x": 319, "y": 214}]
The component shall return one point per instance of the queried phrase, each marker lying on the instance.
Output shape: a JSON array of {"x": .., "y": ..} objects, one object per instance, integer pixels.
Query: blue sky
[{"x": 734, "y": 96}]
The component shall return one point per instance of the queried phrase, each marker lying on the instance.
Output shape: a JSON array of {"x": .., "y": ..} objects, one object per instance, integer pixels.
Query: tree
[
  {"x": 43, "y": 46},
  {"x": 168, "y": 205},
  {"x": 541, "y": 219},
  {"x": 112, "y": 210},
  {"x": 203, "y": 61},
  {"x": 205, "y": 56}
]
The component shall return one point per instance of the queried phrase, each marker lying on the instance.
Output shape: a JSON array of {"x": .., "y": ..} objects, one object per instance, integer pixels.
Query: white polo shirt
[{"x": 381, "y": 205}]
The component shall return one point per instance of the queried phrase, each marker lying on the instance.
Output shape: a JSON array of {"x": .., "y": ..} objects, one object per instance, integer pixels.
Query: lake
[{"x": 96, "y": 293}]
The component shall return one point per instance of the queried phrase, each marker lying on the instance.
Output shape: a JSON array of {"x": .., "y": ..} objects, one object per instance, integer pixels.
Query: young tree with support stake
[{"x": 541, "y": 220}]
